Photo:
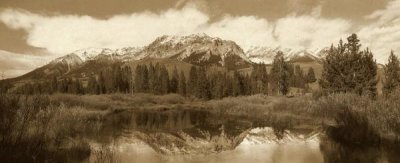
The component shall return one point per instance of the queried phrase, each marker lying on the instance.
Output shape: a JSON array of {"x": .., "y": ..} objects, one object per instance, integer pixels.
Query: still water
[{"x": 199, "y": 136}]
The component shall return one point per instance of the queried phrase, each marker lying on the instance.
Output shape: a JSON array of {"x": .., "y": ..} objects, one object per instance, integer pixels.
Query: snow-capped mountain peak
[
  {"x": 196, "y": 49},
  {"x": 92, "y": 53},
  {"x": 121, "y": 53},
  {"x": 266, "y": 54}
]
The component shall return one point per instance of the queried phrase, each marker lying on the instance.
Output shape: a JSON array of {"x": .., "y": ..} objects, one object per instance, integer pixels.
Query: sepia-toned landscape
[{"x": 294, "y": 81}]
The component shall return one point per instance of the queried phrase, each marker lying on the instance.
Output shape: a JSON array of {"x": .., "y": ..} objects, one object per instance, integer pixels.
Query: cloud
[
  {"x": 383, "y": 34},
  {"x": 65, "y": 33},
  {"x": 13, "y": 64},
  {"x": 309, "y": 31},
  {"x": 61, "y": 34}
]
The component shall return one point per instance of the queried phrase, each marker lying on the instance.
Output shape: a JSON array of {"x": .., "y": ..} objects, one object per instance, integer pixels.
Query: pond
[{"x": 200, "y": 136}]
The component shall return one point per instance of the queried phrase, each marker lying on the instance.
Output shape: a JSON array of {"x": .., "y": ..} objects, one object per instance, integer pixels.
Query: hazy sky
[{"x": 34, "y": 32}]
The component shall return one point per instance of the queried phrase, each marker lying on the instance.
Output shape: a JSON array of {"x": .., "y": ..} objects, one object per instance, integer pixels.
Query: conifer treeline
[{"x": 156, "y": 79}]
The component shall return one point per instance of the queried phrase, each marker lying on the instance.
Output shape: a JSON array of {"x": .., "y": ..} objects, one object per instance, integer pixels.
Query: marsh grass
[
  {"x": 33, "y": 129},
  {"x": 361, "y": 120}
]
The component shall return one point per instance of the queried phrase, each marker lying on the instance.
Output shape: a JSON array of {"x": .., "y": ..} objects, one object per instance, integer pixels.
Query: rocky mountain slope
[{"x": 198, "y": 49}]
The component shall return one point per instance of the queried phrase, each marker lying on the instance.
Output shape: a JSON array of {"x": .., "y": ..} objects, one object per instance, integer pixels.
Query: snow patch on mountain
[
  {"x": 266, "y": 55},
  {"x": 93, "y": 53}
]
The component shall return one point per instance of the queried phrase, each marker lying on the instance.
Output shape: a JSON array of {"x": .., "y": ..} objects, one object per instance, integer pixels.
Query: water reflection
[
  {"x": 334, "y": 152},
  {"x": 199, "y": 136}
]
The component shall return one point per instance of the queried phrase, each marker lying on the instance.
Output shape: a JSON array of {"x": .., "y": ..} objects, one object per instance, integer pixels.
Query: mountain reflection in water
[{"x": 199, "y": 136}]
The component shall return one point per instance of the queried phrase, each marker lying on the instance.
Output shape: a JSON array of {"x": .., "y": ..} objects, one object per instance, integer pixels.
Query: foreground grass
[{"x": 58, "y": 128}]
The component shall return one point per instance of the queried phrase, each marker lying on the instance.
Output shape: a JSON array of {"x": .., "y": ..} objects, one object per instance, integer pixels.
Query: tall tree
[
  {"x": 311, "y": 76},
  {"x": 192, "y": 83},
  {"x": 258, "y": 79},
  {"x": 92, "y": 86},
  {"x": 202, "y": 84},
  {"x": 347, "y": 69},
  {"x": 299, "y": 77},
  {"x": 164, "y": 80},
  {"x": 280, "y": 74},
  {"x": 392, "y": 76},
  {"x": 182, "y": 84},
  {"x": 102, "y": 83},
  {"x": 238, "y": 86},
  {"x": 141, "y": 78},
  {"x": 174, "y": 81}
]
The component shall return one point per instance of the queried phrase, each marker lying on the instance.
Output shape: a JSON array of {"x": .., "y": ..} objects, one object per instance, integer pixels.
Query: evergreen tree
[
  {"x": 238, "y": 86},
  {"x": 228, "y": 88},
  {"x": 311, "y": 76},
  {"x": 92, "y": 86},
  {"x": 182, "y": 84},
  {"x": 299, "y": 77},
  {"x": 280, "y": 75},
  {"x": 118, "y": 79},
  {"x": 164, "y": 79},
  {"x": 347, "y": 69},
  {"x": 102, "y": 84},
  {"x": 203, "y": 85},
  {"x": 392, "y": 76},
  {"x": 258, "y": 79},
  {"x": 141, "y": 78},
  {"x": 174, "y": 81},
  {"x": 152, "y": 78},
  {"x": 192, "y": 83},
  {"x": 156, "y": 79}
]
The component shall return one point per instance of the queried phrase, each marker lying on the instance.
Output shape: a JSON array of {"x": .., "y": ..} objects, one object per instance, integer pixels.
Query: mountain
[
  {"x": 127, "y": 53},
  {"x": 266, "y": 55},
  {"x": 198, "y": 49}
]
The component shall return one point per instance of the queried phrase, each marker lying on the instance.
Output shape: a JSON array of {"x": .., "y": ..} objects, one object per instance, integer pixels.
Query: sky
[{"x": 32, "y": 33}]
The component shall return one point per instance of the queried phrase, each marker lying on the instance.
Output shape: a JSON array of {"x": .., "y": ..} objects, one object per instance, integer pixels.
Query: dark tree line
[{"x": 200, "y": 82}]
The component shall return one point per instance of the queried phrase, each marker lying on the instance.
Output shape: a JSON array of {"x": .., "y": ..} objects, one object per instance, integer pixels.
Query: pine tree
[
  {"x": 228, "y": 88},
  {"x": 311, "y": 76},
  {"x": 156, "y": 79},
  {"x": 102, "y": 84},
  {"x": 299, "y": 77},
  {"x": 192, "y": 83},
  {"x": 347, "y": 69},
  {"x": 174, "y": 81},
  {"x": 182, "y": 84},
  {"x": 138, "y": 79},
  {"x": 280, "y": 75},
  {"x": 92, "y": 85},
  {"x": 238, "y": 86},
  {"x": 202, "y": 84},
  {"x": 164, "y": 80},
  {"x": 118, "y": 83},
  {"x": 392, "y": 76},
  {"x": 258, "y": 79},
  {"x": 152, "y": 78}
]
